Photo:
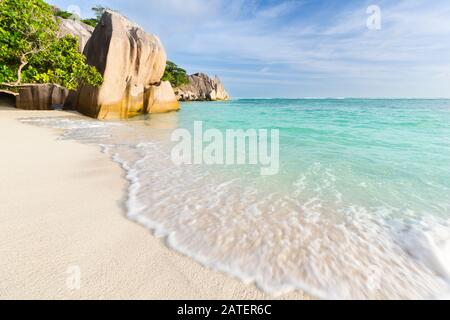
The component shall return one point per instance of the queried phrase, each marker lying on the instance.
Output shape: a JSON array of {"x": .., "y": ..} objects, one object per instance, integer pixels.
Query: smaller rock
[{"x": 161, "y": 99}]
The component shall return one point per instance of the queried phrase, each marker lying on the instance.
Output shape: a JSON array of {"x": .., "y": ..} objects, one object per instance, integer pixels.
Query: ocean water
[{"x": 360, "y": 208}]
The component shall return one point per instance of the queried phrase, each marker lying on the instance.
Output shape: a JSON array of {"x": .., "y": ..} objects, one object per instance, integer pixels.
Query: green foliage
[
  {"x": 6, "y": 74},
  {"x": 91, "y": 22},
  {"x": 175, "y": 75},
  {"x": 26, "y": 27},
  {"x": 63, "y": 14},
  {"x": 98, "y": 11},
  {"x": 31, "y": 51},
  {"x": 66, "y": 66}
]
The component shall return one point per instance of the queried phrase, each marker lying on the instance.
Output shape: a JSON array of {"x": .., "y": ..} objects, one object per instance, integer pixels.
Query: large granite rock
[
  {"x": 130, "y": 60},
  {"x": 75, "y": 28},
  {"x": 161, "y": 99},
  {"x": 39, "y": 96},
  {"x": 202, "y": 88}
]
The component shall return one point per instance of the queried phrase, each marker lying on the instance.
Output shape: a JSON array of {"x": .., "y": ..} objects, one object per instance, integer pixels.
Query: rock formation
[
  {"x": 8, "y": 98},
  {"x": 75, "y": 28},
  {"x": 131, "y": 61},
  {"x": 160, "y": 99},
  {"x": 38, "y": 96},
  {"x": 202, "y": 88}
]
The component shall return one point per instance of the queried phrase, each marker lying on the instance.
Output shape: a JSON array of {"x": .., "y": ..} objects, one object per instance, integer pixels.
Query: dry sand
[{"x": 61, "y": 212}]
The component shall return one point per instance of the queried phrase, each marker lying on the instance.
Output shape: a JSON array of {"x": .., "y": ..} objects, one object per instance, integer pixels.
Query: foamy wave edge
[{"x": 425, "y": 251}]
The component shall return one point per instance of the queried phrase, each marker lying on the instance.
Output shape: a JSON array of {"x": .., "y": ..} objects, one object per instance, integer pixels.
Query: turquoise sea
[{"x": 359, "y": 209}]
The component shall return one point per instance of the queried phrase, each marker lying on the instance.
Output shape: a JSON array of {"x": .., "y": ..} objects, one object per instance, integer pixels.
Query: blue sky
[{"x": 302, "y": 48}]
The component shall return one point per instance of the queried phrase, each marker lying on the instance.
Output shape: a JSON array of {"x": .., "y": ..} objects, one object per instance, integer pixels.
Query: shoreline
[{"x": 62, "y": 206}]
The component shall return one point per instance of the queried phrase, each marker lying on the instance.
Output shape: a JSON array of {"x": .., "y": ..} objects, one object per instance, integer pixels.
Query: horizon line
[{"x": 341, "y": 98}]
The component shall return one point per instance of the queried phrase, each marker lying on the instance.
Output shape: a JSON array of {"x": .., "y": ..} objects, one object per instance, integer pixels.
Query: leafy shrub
[
  {"x": 31, "y": 51},
  {"x": 175, "y": 75}
]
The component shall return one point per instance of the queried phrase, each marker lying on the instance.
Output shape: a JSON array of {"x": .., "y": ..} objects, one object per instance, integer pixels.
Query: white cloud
[{"x": 279, "y": 9}]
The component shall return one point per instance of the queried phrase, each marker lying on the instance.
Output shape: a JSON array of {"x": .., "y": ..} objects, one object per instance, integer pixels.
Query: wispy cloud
[{"x": 303, "y": 48}]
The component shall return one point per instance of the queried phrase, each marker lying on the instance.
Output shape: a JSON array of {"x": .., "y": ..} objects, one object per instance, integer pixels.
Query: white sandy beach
[{"x": 61, "y": 207}]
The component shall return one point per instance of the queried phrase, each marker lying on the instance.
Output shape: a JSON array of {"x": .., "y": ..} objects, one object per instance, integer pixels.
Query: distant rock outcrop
[
  {"x": 75, "y": 28},
  {"x": 202, "y": 88},
  {"x": 131, "y": 61},
  {"x": 37, "y": 96}
]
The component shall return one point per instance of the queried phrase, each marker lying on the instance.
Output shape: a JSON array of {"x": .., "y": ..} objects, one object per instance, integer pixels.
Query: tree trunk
[{"x": 19, "y": 71}]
